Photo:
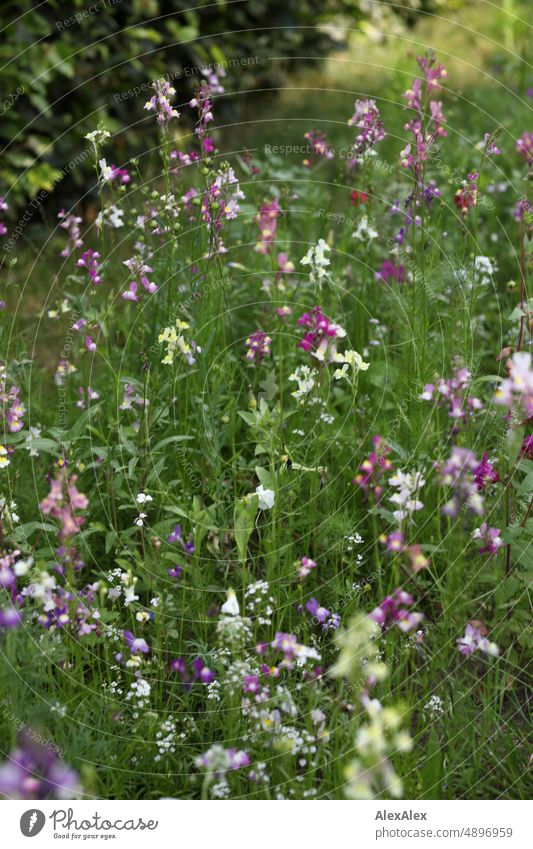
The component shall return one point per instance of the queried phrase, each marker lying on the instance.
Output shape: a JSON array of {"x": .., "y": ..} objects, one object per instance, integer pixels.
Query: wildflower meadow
[{"x": 266, "y": 461}]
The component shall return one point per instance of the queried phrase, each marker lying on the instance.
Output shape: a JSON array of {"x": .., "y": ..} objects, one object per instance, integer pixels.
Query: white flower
[
  {"x": 365, "y": 232},
  {"x": 98, "y": 136},
  {"x": 266, "y": 497},
  {"x": 106, "y": 172},
  {"x": 143, "y": 499},
  {"x": 129, "y": 595},
  {"x": 231, "y": 605},
  {"x": 349, "y": 358},
  {"x": 317, "y": 259},
  {"x": 4, "y": 459},
  {"x": 139, "y": 521}
]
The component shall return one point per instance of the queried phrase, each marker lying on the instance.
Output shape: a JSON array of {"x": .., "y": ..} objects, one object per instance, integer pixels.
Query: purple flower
[
  {"x": 202, "y": 672},
  {"x": 490, "y": 539},
  {"x": 176, "y": 536},
  {"x": 329, "y": 621},
  {"x": 34, "y": 771},
  {"x": 392, "y": 611},
  {"x": 258, "y": 344},
  {"x": 136, "y": 644},
  {"x": 91, "y": 261},
  {"x": 474, "y": 640},
  {"x": 160, "y": 103},
  {"x": 252, "y": 684}
]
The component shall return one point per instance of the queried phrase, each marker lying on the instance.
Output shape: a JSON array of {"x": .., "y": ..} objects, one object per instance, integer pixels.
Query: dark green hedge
[{"x": 66, "y": 66}]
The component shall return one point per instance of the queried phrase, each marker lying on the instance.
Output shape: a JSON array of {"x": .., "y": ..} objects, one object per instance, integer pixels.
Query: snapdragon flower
[
  {"x": 70, "y": 223},
  {"x": 62, "y": 502},
  {"x": 160, "y": 103},
  {"x": 91, "y": 261},
  {"x": 136, "y": 644},
  {"x": 367, "y": 119},
  {"x": 453, "y": 393},
  {"x": 306, "y": 565},
  {"x": 258, "y": 344},
  {"x": 516, "y": 391},
  {"x": 321, "y": 338},
  {"x": 352, "y": 362},
  {"x": 474, "y": 640},
  {"x": 265, "y": 497},
  {"x": 177, "y": 345},
  {"x": 320, "y": 149},
  {"x": 409, "y": 485},
  {"x": 458, "y": 472},
  {"x": 393, "y": 610},
  {"x": 370, "y": 472},
  {"x": 490, "y": 538},
  {"x": 318, "y": 261},
  {"x": 267, "y": 221}
]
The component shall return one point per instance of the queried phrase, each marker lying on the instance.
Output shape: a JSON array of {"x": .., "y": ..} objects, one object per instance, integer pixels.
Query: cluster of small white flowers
[
  {"x": 220, "y": 790},
  {"x": 259, "y": 602},
  {"x": 234, "y": 632},
  {"x": 213, "y": 691},
  {"x": 434, "y": 706},
  {"x": 139, "y": 695},
  {"x": 165, "y": 738}
]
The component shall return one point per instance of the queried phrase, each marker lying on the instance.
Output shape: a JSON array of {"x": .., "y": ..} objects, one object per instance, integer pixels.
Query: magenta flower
[
  {"x": 61, "y": 502},
  {"x": 267, "y": 221},
  {"x": 160, "y": 103},
  {"x": 321, "y": 338},
  {"x": 490, "y": 539},
  {"x": 524, "y": 147},
  {"x": 393, "y": 611},
  {"x": 371, "y": 470},
  {"x": 258, "y": 344},
  {"x": 320, "y": 149},
  {"x": 91, "y": 261},
  {"x": 485, "y": 473},
  {"x": 306, "y": 565},
  {"x": 390, "y": 271},
  {"x": 474, "y": 640},
  {"x": 70, "y": 223}
]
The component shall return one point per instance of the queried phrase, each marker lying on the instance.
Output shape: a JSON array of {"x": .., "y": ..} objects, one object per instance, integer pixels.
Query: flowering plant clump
[{"x": 266, "y": 462}]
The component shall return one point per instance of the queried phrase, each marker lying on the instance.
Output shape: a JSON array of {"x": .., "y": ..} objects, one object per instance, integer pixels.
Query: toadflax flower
[
  {"x": 318, "y": 261},
  {"x": 135, "y": 644},
  {"x": 160, "y": 102},
  {"x": 352, "y": 361},
  {"x": 265, "y": 497},
  {"x": 475, "y": 640},
  {"x": 408, "y": 485},
  {"x": 490, "y": 538},
  {"x": 258, "y": 344},
  {"x": 516, "y": 391}
]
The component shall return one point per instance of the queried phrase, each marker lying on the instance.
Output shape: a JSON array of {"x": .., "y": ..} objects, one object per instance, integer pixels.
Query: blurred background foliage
[{"x": 65, "y": 67}]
